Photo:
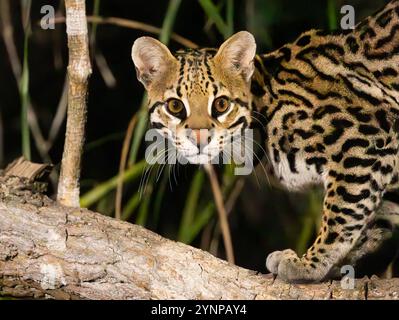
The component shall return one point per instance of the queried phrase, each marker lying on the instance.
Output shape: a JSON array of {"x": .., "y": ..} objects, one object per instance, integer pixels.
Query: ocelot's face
[{"x": 199, "y": 99}]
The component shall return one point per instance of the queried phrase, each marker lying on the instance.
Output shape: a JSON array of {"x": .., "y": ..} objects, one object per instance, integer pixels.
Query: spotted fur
[{"x": 330, "y": 106}]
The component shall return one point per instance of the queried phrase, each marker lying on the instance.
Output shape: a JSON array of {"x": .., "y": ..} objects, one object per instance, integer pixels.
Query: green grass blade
[
  {"x": 94, "y": 25},
  {"x": 169, "y": 20},
  {"x": 25, "y": 100},
  {"x": 142, "y": 215},
  {"x": 201, "y": 220},
  {"x": 212, "y": 12},
  {"x": 306, "y": 233},
  {"x": 309, "y": 221},
  {"x": 159, "y": 197},
  {"x": 102, "y": 189},
  {"x": 103, "y": 140},
  {"x": 190, "y": 206},
  {"x": 332, "y": 15},
  {"x": 106, "y": 205},
  {"x": 139, "y": 133},
  {"x": 130, "y": 206}
]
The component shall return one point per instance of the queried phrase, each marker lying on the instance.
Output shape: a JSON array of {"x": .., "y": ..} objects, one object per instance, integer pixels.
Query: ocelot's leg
[
  {"x": 349, "y": 205},
  {"x": 373, "y": 237}
]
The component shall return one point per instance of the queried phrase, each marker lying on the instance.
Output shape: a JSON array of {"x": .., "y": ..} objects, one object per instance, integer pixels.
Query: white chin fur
[{"x": 200, "y": 159}]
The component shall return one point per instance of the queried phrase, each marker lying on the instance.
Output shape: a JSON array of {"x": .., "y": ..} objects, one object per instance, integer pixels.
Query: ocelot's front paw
[{"x": 289, "y": 267}]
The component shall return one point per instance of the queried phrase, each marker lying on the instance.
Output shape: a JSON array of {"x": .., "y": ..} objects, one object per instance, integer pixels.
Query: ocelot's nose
[{"x": 200, "y": 137}]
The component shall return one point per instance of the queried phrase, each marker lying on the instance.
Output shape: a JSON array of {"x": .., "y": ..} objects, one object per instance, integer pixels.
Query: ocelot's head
[{"x": 197, "y": 98}]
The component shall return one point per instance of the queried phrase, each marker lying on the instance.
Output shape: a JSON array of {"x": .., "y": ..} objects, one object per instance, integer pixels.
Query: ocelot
[{"x": 329, "y": 104}]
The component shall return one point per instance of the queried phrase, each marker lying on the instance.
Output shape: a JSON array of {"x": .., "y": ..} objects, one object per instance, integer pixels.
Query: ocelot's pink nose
[{"x": 200, "y": 137}]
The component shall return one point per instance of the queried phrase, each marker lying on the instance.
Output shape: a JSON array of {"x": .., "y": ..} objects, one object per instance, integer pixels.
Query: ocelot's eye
[
  {"x": 176, "y": 108},
  {"x": 220, "y": 106}
]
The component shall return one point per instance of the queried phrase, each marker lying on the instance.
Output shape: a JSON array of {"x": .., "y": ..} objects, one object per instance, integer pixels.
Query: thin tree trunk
[{"x": 79, "y": 70}]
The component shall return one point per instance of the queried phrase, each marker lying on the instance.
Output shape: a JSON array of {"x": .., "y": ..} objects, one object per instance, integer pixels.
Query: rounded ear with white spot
[
  {"x": 237, "y": 53},
  {"x": 152, "y": 60}
]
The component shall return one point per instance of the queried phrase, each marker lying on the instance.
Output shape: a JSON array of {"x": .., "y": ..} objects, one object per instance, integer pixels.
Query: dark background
[{"x": 264, "y": 218}]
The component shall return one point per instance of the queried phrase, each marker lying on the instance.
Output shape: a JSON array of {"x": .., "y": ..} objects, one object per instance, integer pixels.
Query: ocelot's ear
[
  {"x": 237, "y": 53},
  {"x": 152, "y": 60}
]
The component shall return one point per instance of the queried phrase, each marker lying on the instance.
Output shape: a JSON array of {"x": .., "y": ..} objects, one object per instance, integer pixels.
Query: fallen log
[{"x": 51, "y": 251}]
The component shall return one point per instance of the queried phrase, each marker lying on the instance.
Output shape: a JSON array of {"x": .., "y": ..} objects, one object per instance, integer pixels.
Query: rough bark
[
  {"x": 79, "y": 70},
  {"x": 52, "y": 251}
]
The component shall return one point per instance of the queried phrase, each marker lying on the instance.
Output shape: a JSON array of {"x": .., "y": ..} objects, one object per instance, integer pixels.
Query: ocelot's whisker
[
  {"x": 246, "y": 155},
  {"x": 260, "y": 122},
  {"x": 260, "y": 162},
  {"x": 147, "y": 172},
  {"x": 261, "y": 147},
  {"x": 149, "y": 165},
  {"x": 261, "y": 114}
]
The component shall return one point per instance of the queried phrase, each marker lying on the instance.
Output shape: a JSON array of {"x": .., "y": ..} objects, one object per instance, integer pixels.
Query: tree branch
[
  {"x": 51, "y": 251},
  {"x": 133, "y": 24},
  {"x": 79, "y": 70},
  {"x": 224, "y": 223}
]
